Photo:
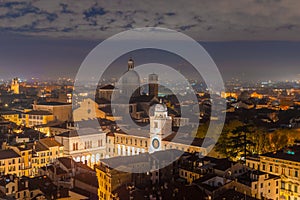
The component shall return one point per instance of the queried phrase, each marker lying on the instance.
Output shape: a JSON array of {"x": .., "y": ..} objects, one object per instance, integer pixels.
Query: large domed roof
[{"x": 131, "y": 77}]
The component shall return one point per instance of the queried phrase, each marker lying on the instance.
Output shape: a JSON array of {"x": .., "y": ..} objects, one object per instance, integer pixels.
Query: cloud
[{"x": 203, "y": 20}]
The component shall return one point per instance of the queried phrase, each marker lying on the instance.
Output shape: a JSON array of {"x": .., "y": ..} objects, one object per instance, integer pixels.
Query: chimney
[
  {"x": 34, "y": 104},
  {"x": 4, "y": 145},
  {"x": 34, "y": 144}
]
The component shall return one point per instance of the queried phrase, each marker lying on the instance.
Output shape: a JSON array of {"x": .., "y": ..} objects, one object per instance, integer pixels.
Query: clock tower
[{"x": 160, "y": 127}]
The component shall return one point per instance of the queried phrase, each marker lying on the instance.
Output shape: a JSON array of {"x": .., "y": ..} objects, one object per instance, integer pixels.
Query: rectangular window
[{"x": 282, "y": 185}]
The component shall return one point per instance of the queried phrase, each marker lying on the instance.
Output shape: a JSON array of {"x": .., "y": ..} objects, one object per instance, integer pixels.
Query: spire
[{"x": 130, "y": 64}]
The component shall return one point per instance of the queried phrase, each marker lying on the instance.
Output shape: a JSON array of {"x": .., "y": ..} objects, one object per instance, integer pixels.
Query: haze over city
[{"x": 248, "y": 40}]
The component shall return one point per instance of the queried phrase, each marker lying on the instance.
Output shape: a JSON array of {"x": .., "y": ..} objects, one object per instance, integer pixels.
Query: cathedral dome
[
  {"x": 130, "y": 81},
  {"x": 131, "y": 77}
]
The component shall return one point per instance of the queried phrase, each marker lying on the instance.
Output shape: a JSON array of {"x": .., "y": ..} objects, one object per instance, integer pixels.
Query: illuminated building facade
[{"x": 285, "y": 164}]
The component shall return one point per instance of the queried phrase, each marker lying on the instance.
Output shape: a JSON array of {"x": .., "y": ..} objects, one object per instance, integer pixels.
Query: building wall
[
  {"x": 88, "y": 110},
  {"x": 289, "y": 185},
  {"x": 288, "y": 170},
  {"x": 60, "y": 112},
  {"x": 110, "y": 146},
  {"x": 130, "y": 145},
  {"x": 189, "y": 176},
  {"x": 87, "y": 187},
  {"x": 88, "y": 149},
  {"x": 25, "y": 162},
  {"x": 10, "y": 166},
  {"x": 12, "y": 118},
  {"x": 105, "y": 94},
  {"x": 28, "y": 164},
  {"x": 109, "y": 180},
  {"x": 33, "y": 120}
]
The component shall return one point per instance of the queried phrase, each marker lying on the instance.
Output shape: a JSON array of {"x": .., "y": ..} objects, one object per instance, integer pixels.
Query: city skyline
[{"x": 46, "y": 58}]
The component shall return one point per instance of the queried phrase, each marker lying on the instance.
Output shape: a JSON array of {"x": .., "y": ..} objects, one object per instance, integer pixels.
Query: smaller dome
[{"x": 160, "y": 108}]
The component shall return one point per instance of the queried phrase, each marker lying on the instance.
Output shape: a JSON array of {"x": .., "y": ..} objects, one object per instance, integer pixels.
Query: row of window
[
  {"x": 289, "y": 187},
  {"x": 87, "y": 145},
  {"x": 36, "y": 117},
  {"x": 131, "y": 141},
  {"x": 12, "y": 162},
  {"x": 13, "y": 190},
  {"x": 284, "y": 171}
]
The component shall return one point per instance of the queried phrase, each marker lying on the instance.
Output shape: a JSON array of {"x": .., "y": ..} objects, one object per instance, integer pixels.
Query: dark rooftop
[
  {"x": 38, "y": 112},
  {"x": 233, "y": 195},
  {"x": 80, "y": 132},
  {"x": 9, "y": 153},
  {"x": 107, "y": 87},
  {"x": 53, "y": 103},
  {"x": 291, "y": 154}
]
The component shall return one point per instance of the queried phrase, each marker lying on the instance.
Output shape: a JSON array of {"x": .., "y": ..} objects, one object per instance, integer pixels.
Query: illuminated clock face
[{"x": 155, "y": 143}]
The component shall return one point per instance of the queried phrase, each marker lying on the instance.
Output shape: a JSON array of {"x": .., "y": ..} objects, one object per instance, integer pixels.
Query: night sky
[{"x": 250, "y": 40}]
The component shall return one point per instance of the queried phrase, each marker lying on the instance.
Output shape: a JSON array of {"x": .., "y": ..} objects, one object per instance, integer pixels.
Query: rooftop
[
  {"x": 9, "y": 112},
  {"x": 50, "y": 142},
  {"x": 107, "y": 87},
  {"x": 183, "y": 138},
  {"x": 290, "y": 154},
  {"x": 53, "y": 104},
  {"x": 80, "y": 132},
  {"x": 7, "y": 154},
  {"x": 232, "y": 194},
  {"x": 87, "y": 178},
  {"x": 38, "y": 112}
]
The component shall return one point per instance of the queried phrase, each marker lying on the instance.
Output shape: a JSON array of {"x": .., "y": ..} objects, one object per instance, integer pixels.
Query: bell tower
[
  {"x": 153, "y": 85},
  {"x": 160, "y": 127}
]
